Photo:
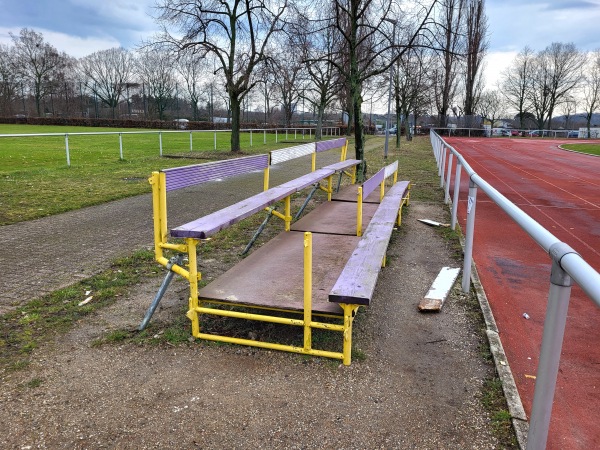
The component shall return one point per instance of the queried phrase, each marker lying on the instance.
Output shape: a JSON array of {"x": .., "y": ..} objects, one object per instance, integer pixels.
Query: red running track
[{"x": 561, "y": 191}]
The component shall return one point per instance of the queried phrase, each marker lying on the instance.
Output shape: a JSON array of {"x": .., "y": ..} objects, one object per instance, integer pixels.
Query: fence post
[
  {"x": 250, "y": 138},
  {"x": 442, "y": 166},
  {"x": 276, "y": 136},
  {"x": 448, "y": 177},
  {"x": 67, "y": 149},
  {"x": 471, "y": 203},
  {"x": 191, "y": 144},
  {"x": 455, "y": 194},
  {"x": 121, "y": 146},
  {"x": 552, "y": 339},
  {"x": 215, "y": 139},
  {"x": 160, "y": 142}
]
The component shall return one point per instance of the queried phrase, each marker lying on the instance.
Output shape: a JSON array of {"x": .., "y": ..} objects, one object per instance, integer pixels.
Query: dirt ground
[{"x": 417, "y": 386}]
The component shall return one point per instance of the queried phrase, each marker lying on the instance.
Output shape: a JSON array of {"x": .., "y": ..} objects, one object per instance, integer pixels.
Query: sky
[{"x": 80, "y": 27}]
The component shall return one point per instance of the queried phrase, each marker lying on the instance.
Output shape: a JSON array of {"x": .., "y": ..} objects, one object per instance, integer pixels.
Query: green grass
[
  {"x": 35, "y": 180},
  {"x": 592, "y": 149}
]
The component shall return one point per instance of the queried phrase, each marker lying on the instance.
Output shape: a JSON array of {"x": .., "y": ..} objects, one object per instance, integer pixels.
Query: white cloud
[
  {"x": 495, "y": 64},
  {"x": 72, "y": 45}
]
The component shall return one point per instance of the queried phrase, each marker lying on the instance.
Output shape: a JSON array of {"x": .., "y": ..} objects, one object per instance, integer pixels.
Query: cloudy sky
[{"x": 80, "y": 27}]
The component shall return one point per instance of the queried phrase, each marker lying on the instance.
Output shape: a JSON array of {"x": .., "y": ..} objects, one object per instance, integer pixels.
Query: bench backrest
[
  {"x": 372, "y": 183},
  {"x": 180, "y": 177},
  {"x": 286, "y": 154}
]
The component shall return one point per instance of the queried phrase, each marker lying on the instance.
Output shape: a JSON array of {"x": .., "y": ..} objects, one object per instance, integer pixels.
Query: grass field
[
  {"x": 35, "y": 180},
  {"x": 592, "y": 149}
]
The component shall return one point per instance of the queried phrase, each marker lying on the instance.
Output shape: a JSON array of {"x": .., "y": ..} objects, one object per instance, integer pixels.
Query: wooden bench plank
[
  {"x": 273, "y": 276},
  {"x": 208, "y": 225},
  {"x": 342, "y": 165},
  {"x": 356, "y": 283},
  {"x": 307, "y": 180},
  {"x": 350, "y": 193},
  {"x": 334, "y": 218}
]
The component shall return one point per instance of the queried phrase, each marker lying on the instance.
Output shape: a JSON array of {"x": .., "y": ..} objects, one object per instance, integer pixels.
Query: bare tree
[
  {"x": 565, "y": 64},
  {"x": 193, "y": 69},
  {"x": 106, "y": 74},
  {"x": 287, "y": 68},
  {"x": 155, "y": 69},
  {"x": 321, "y": 82},
  {"x": 370, "y": 47},
  {"x": 8, "y": 81},
  {"x": 449, "y": 40},
  {"x": 476, "y": 47},
  {"x": 410, "y": 86},
  {"x": 38, "y": 63},
  {"x": 591, "y": 89},
  {"x": 516, "y": 83},
  {"x": 568, "y": 108},
  {"x": 236, "y": 33},
  {"x": 491, "y": 106}
]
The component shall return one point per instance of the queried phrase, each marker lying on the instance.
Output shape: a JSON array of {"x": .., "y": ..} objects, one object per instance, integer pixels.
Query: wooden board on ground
[
  {"x": 348, "y": 194},
  {"x": 440, "y": 289},
  {"x": 273, "y": 275},
  {"x": 334, "y": 218}
]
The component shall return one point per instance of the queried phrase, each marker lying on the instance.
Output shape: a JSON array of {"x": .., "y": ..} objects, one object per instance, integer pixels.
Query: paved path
[
  {"x": 41, "y": 256},
  {"x": 560, "y": 190}
]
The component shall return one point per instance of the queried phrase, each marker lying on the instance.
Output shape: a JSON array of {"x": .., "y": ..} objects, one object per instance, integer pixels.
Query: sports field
[
  {"x": 36, "y": 181},
  {"x": 561, "y": 191}
]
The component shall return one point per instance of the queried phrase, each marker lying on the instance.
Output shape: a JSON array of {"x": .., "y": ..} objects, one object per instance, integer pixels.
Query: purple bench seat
[
  {"x": 342, "y": 165},
  {"x": 356, "y": 283},
  {"x": 208, "y": 225}
]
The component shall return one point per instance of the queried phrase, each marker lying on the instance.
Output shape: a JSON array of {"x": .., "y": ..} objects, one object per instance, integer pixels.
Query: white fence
[{"x": 305, "y": 133}]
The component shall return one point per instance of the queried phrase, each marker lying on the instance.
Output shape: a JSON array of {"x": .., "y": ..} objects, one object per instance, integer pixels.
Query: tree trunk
[
  {"x": 319, "y": 128},
  {"x": 235, "y": 122}
]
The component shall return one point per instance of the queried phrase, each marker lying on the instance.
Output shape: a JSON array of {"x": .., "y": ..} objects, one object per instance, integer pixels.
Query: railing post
[
  {"x": 448, "y": 177},
  {"x": 160, "y": 143},
  {"x": 264, "y": 136},
  {"x": 215, "y": 140},
  {"x": 442, "y": 166},
  {"x": 471, "y": 203},
  {"x": 191, "y": 143},
  {"x": 455, "y": 194},
  {"x": 552, "y": 339},
  {"x": 250, "y": 138}
]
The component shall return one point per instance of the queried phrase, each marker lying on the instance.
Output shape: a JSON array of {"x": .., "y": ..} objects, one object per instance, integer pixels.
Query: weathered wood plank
[
  {"x": 342, "y": 165},
  {"x": 272, "y": 275},
  {"x": 356, "y": 283},
  {"x": 208, "y": 225},
  {"x": 439, "y": 290}
]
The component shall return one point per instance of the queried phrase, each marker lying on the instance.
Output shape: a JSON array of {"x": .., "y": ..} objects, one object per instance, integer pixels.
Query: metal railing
[
  {"x": 306, "y": 133},
  {"x": 567, "y": 266}
]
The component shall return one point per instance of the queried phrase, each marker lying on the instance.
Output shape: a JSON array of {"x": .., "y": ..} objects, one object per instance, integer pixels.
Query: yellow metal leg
[
  {"x": 307, "y": 291},
  {"x": 288, "y": 213},
  {"x": 192, "y": 313},
  {"x": 349, "y": 311},
  {"x": 359, "y": 217}
]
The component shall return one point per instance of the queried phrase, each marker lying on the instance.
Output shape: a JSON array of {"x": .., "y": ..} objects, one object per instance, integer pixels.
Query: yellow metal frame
[{"x": 198, "y": 307}]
